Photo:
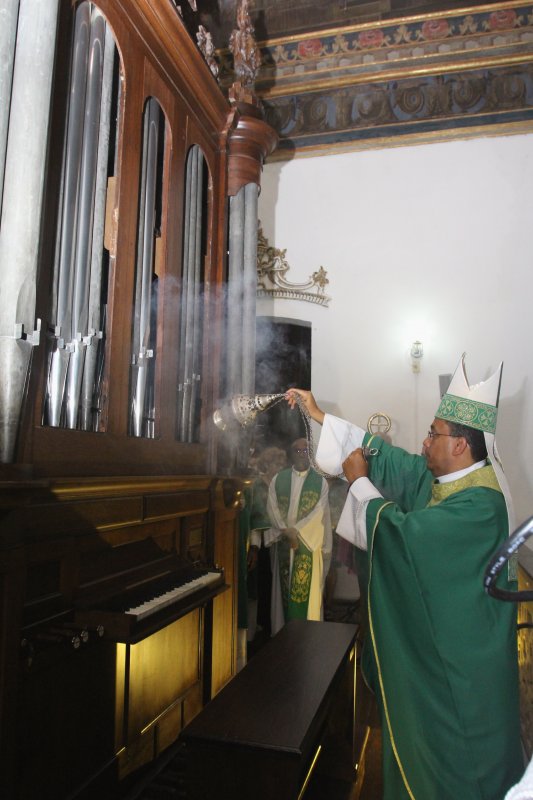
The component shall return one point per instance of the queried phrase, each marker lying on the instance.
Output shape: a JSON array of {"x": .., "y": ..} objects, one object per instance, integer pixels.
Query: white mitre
[{"x": 476, "y": 406}]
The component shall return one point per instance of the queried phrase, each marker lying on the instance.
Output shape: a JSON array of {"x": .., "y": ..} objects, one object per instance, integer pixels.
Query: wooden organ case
[{"x": 118, "y": 525}]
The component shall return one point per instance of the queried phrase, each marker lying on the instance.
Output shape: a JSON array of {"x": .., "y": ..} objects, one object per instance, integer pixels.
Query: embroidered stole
[
  {"x": 486, "y": 477},
  {"x": 296, "y": 596}
]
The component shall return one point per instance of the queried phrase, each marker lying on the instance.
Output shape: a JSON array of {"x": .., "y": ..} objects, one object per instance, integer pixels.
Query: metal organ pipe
[
  {"x": 95, "y": 310},
  {"x": 197, "y": 299},
  {"x": 188, "y": 289},
  {"x": 9, "y": 10},
  {"x": 86, "y": 198},
  {"x": 242, "y": 287},
  {"x": 77, "y": 311},
  {"x": 145, "y": 265},
  {"x": 249, "y": 289},
  {"x": 64, "y": 277},
  {"x": 184, "y": 305},
  {"x": 25, "y": 159},
  {"x": 191, "y": 309},
  {"x": 235, "y": 292}
]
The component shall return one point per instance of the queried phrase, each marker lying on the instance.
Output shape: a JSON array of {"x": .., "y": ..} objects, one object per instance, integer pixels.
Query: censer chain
[
  {"x": 310, "y": 441},
  {"x": 308, "y": 435}
]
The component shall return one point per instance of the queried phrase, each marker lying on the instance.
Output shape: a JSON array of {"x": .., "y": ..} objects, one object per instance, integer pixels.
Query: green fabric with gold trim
[
  {"x": 296, "y": 597},
  {"x": 440, "y": 653},
  {"x": 473, "y": 413}
]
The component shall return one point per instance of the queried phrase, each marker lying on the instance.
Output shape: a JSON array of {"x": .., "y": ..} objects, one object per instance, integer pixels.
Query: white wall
[{"x": 432, "y": 242}]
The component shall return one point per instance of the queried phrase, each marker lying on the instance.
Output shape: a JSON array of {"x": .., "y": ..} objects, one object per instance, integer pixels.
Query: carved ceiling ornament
[
  {"x": 272, "y": 268},
  {"x": 423, "y": 76}
]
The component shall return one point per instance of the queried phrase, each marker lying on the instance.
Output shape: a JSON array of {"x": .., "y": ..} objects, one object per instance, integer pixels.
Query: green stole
[
  {"x": 484, "y": 476},
  {"x": 296, "y": 596}
]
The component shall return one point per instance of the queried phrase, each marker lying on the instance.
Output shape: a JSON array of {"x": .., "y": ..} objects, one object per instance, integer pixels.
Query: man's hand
[
  {"x": 309, "y": 402},
  {"x": 355, "y": 466},
  {"x": 292, "y": 535}
]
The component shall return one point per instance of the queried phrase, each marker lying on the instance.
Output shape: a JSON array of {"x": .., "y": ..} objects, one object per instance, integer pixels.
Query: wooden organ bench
[{"x": 278, "y": 720}]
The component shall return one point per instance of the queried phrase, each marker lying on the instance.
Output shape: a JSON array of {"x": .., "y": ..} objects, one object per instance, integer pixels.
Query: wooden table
[{"x": 259, "y": 737}]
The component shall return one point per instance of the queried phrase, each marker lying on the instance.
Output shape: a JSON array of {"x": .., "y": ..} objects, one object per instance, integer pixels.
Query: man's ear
[{"x": 460, "y": 445}]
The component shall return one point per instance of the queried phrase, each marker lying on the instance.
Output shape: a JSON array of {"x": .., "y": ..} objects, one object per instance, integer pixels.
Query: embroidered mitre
[{"x": 475, "y": 406}]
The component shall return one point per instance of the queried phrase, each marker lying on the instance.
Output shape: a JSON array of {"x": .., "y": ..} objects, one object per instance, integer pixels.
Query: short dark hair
[{"x": 474, "y": 438}]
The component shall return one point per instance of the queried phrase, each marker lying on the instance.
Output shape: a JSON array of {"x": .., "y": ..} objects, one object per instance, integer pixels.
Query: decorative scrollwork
[
  {"x": 410, "y": 99},
  {"x": 246, "y": 54},
  {"x": 207, "y": 49},
  {"x": 272, "y": 268}
]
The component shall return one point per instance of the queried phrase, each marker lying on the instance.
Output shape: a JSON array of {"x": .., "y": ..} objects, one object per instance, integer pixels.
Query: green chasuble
[
  {"x": 296, "y": 585},
  {"x": 259, "y": 521},
  {"x": 440, "y": 653},
  {"x": 253, "y": 516}
]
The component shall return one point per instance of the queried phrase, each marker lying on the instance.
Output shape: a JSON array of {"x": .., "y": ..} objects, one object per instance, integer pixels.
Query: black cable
[{"x": 501, "y": 557}]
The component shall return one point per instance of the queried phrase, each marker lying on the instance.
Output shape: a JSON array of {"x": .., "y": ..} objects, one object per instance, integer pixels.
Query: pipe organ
[{"x": 119, "y": 155}]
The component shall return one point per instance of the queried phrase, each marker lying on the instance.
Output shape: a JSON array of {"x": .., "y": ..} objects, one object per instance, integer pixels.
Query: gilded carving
[{"x": 272, "y": 269}]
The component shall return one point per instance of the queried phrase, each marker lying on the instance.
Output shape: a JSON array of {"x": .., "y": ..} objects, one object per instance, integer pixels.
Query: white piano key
[{"x": 170, "y": 596}]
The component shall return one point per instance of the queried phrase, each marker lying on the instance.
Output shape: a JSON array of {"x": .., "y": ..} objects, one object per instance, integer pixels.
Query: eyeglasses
[{"x": 432, "y": 434}]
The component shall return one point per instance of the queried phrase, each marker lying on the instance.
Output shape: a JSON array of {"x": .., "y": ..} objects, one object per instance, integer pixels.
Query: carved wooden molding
[
  {"x": 251, "y": 139},
  {"x": 272, "y": 268}
]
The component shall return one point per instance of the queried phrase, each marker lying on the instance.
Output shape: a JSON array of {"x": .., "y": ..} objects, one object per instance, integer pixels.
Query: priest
[
  {"x": 440, "y": 654},
  {"x": 300, "y": 539}
]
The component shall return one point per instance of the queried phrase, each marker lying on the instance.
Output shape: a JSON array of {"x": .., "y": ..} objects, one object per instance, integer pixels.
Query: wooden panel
[
  {"x": 525, "y": 660},
  {"x": 64, "y": 726},
  {"x": 139, "y": 753},
  {"x": 168, "y": 727},
  {"x": 194, "y": 538},
  {"x": 192, "y": 704},
  {"x": 162, "y": 668},
  {"x": 224, "y": 608},
  {"x": 159, "y": 673},
  {"x": 119, "y": 511},
  {"x": 158, "y": 506}
]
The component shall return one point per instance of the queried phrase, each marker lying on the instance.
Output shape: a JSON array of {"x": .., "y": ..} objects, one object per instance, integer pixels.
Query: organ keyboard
[
  {"x": 159, "y": 601},
  {"x": 139, "y": 611},
  {"x": 78, "y": 564}
]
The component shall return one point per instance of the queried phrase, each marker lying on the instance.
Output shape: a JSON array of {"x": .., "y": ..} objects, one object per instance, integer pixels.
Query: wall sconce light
[{"x": 417, "y": 351}]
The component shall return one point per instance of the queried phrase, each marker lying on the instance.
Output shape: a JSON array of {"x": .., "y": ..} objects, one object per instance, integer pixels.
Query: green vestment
[
  {"x": 296, "y": 584},
  {"x": 440, "y": 653},
  {"x": 253, "y": 516}
]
